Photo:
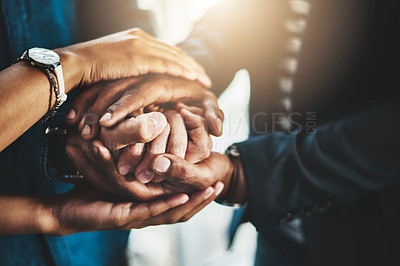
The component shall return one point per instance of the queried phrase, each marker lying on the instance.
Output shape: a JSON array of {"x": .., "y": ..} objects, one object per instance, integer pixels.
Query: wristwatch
[
  {"x": 56, "y": 134},
  {"x": 48, "y": 61}
]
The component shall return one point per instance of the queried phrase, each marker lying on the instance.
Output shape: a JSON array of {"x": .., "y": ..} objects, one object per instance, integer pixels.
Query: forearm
[
  {"x": 24, "y": 215},
  {"x": 216, "y": 40},
  {"x": 25, "y": 96}
]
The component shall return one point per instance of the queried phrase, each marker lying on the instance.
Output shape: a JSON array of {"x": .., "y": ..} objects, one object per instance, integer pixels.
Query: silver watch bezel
[{"x": 31, "y": 56}]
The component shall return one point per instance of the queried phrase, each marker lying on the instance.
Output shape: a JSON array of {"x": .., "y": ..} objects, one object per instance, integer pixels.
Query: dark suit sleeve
[
  {"x": 97, "y": 18},
  {"x": 291, "y": 175},
  {"x": 237, "y": 34}
]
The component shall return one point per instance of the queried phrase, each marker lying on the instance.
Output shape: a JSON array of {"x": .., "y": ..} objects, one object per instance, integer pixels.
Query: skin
[
  {"x": 217, "y": 167},
  {"x": 98, "y": 163},
  {"x": 84, "y": 209},
  {"x": 107, "y": 104},
  {"x": 23, "y": 101},
  {"x": 126, "y": 54},
  {"x": 177, "y": 175}
]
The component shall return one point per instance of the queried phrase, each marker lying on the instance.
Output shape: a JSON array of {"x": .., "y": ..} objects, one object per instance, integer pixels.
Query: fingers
[
  {"x": 193, "y": 109},
  {"x": 214, "y": 117},
  {"x": 173, "y": 141},
  {"x": 82, "y": 102},
  {"x": 178, "y": 138},
  {"x": 85, "y": 210},
  {"x": 163, "y": 89},
  {"x": 218, "y": 188},
  {"x": 189, "y": 62},
  {"x": 94, "y": 176},
  {"x": 142, "y": 129},
  {"x": 120, "y": 183},
  {"x": 152, "y": 91},
  {"x": 176, "y": 170},
  {"x": 130, "y": 158},
  {"x": 156, "y": 89},
  {"x": 143, "y": 171},
  {"x": 106, "y": 96},
  {"x": 209, "y": 109},
  {"x": 180, "y": 64},
  {"x": 184, "y": 212},
  {"x": 150, "y": 209},
  {"x": 200, "y": 143}
]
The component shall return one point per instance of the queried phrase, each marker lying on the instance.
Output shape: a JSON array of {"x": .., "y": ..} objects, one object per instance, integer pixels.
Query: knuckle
[
  {"x": 137, "y": 32},
  {"x": 108, "y": 91},
  {"x": 172, "y": 219},
  {"x": 136, "y": 150},
  {"x": 151, "y": 211},
  {"x": 182, "y": 173},
  {"x": 119, "y": 213},
  {"x": 134, "y": 41}
]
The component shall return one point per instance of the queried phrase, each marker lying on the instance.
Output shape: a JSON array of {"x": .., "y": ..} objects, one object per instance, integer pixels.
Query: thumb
[
  {"x": 175, "y": 169},
  {"x": 141, "y": 129}
]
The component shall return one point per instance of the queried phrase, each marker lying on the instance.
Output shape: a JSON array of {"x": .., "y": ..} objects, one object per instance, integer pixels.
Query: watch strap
[
  {"x": 57, "y": 133},
  {"x": 61, "y": 83}
]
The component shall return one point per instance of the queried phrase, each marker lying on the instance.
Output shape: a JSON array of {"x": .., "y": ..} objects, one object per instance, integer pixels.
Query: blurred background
[{"x": 202, "y": 241}]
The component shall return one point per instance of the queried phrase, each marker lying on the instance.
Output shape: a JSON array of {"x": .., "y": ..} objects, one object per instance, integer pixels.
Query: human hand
[
  {"x": 101, "y": 172},
  {"x": 125, "y": 54},
  {"x": 217, "y": 167},
  {"x": 187, "y": 137},
  {"x": 83, "y": 209},
  {"x": 168, "y": 137},
  {"x": 115, "y": 101}
]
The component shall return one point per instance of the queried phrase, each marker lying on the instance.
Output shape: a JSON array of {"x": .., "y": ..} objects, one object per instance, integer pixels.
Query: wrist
[
  {"x": 227, "y": 179},
  {"x": 73, "y": 68},
  {"x": 45, "y": 221},
  {"x": 236, "y": 188}
]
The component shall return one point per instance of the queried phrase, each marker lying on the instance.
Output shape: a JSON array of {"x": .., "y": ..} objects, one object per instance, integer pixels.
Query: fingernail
[
  {"x": 162, "y": 165},
  {"x": 219, "y": 124},
  {"x": 145, "y": 176},
  {"x": 71, "y": 114},
  {"x": 103, "y": 149},
  {"x": 206, "y": 81},
  {"x": 106, "y": 117},
  {"x": 219, "y": 188},
  {"x": 209, "y": 192},
  {"x": 86, "y": 130},
  {"x": 184, "y": 200},
  {"x": 124, "y": 169}
]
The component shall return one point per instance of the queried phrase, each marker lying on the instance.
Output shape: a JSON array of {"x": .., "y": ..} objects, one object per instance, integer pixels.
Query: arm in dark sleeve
[
  {"x": 291, "y": 174},
  {"x": 98, "y": 18},
  {"x": 236, "y": 34}
]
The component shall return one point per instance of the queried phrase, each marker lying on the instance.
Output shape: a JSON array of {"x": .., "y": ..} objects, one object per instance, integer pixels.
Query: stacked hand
[
  {"x": 140, "y": 99},
  {"x": 121, "y": 126},
  {"x": 117, "y": 157}
]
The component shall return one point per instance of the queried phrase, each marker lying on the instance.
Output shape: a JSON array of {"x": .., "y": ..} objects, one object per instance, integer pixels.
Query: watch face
[{"x": 44, "y": 56}]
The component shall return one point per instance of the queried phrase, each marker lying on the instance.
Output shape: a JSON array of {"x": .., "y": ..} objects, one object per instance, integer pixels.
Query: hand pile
[{"x": 139, "y": 142}]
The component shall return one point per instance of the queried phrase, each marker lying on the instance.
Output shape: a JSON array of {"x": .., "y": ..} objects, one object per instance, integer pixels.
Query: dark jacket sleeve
[
  {"x": 96, "y": 18},
  {"x": 236, "y": 34},
  {"x": 290, "y": 175}
]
